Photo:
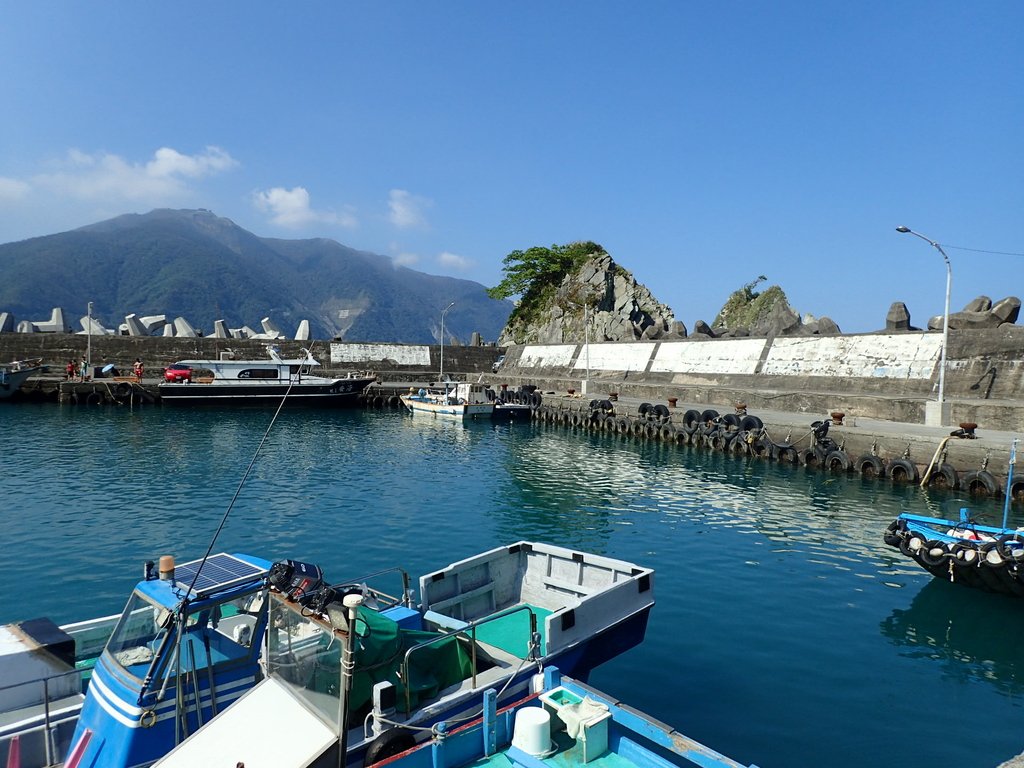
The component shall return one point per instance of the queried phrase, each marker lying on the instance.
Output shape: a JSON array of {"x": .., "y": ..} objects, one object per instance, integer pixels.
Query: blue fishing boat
[
  {"x": 964, "y": 550},
  {"x": 196, "y": 638},
  {"x": 354, "y": 670},
  {"x": 561, "y": 723}
]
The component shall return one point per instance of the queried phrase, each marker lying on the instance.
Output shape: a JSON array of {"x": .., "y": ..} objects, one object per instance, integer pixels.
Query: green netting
[
  {"x": 379, "y": 652},
  {"x": 511, "y": 632}
]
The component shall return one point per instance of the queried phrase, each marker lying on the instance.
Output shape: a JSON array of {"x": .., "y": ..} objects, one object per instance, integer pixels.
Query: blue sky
[{"x": 702, "y": 144}]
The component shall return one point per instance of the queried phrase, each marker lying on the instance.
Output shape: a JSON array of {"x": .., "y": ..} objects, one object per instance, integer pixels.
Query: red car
[{"x": 177, "y": 372}]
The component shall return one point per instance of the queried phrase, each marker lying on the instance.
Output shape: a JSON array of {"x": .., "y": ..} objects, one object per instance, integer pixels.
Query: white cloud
[
  {"x": 454, "y": 261},
  {"x": 13, "y": 189},
  {"x": 405, "y": 259},
  {"x": 406, "y": 210},
  {"x": 104, "y": 176},
  {"x": 291, "y": 208}
]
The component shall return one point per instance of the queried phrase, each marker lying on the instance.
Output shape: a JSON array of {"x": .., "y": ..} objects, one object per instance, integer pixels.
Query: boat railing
[
  {"x": 468, "y": 632},
  {"x": 383, "y": 599},
  {"x": 50, "y": 718}
]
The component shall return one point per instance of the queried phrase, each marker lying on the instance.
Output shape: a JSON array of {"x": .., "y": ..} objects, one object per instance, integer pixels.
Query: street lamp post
[
  {"x": 442, "y": 340},
  {"x": 88, "y": 341},
  {"x": 945, "y": 320}
]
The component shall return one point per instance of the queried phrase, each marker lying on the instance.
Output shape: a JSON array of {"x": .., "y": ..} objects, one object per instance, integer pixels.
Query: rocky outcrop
[
  {"x": 768, "y": 314},
  {"x": 600, "y": 292},
  {"x": 980, "y": 313}
]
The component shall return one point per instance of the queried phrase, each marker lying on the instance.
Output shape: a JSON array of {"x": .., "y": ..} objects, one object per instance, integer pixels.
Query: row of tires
[
  {"x": 745, "y": 435},
  {"x": 996, "y": 566}
]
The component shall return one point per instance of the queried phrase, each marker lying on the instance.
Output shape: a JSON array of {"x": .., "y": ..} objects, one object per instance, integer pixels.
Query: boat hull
[
  {"x": 11, "y": 381},
  {"x": 467, "y": 411},
  {"x": 338, "y": 393}
]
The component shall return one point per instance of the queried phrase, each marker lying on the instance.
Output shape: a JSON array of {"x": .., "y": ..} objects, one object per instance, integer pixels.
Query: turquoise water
[{"x": 786, "y": 633}]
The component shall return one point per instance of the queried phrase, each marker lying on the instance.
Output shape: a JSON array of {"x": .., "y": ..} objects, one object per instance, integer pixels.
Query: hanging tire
[
  {"x": 732, "y": 420},
  {"x": 912, "y": 544},
  {"x": 622, "y": 426},
  {"x": 751, "y": 424},
  {"x": 709, "y": 415},
  {"x": 661, "y": 411},
  {"x": 838, "y": 462},
  {"x": 691, "y": 419},
  {"x": 717, "y": 440},
  {"x": 812, "y": 457},
  {"x": 606, "y": 405},
  {"x": 870, "y": 466},
  {"x": 94, "y": 398},
  {"x": 739, "y": 446},
  {"x": 1016, "y": 490},
  {"x": 892, "y": 534},
  {"x": 388, "y": 744},
  {"x": 683, "y": 437},
  {"x": 760, "y": 448},
  {"x": 644, "y": 408},
  {"x": 904, "y": 471},
  {"x": 981, "y": 483},
  {"x": 785, "y": 454},
  {"x": 944, "y": 476},
  {"x": 667, "y": 433},
  {"x": 933, "y": 553},
  {"x": 122, "y": 390},
  {"x": 1011, "y": 546}
]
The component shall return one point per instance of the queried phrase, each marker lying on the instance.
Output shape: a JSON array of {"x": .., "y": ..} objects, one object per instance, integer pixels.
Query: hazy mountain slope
[{"x": 202, "y": 267}]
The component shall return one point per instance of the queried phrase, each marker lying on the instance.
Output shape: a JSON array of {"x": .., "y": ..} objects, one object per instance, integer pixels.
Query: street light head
[{"x": 904, "y": 230}]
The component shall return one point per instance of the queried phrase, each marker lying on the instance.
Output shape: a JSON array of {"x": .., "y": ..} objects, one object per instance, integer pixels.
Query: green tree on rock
[{"x": 535, "y": 274}]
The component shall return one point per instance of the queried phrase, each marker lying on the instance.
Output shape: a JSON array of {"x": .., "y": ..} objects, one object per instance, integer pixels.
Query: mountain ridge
[{"x": 194, "y": 264}]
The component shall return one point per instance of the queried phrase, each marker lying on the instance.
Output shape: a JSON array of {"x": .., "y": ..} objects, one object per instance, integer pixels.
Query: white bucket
[{"x": 532, "y": 731}]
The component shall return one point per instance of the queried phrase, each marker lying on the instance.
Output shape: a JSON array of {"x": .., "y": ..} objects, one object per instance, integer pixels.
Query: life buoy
[
  {"x": 944, "y": 476},
  {"x": 838, "y": 461},
  {"x": 981, "y": 483},
  {"x": 903, "y": 471},
  {"x": 871, "y": 466},
  {"x": 388, "y": 744}
]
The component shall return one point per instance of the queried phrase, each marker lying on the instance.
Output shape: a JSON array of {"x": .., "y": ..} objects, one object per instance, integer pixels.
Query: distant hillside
[{"x": 196, "y": 265}]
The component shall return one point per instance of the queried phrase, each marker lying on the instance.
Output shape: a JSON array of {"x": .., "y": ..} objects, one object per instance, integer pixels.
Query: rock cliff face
[{"x": 617, "y": 307}]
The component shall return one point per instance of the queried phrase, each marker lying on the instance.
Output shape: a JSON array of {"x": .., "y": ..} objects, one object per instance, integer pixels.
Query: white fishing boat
[
  {"x": 260, "y": 382},
  {"x": 14, "y": 374},
  {"x": 460, "y": 400},
  {"x": 353, "y": 671}
]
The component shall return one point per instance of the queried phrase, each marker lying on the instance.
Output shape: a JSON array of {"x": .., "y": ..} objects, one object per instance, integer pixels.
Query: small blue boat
[
  {"x": 562, "y": 724},
  {"x": 964, "y": 551}
]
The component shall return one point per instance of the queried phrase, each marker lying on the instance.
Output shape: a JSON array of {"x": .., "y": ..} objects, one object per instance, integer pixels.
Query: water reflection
[{"x": 970, "y": 634}]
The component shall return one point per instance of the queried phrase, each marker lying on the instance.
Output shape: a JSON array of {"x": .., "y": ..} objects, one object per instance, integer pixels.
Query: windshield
[{"x": 139, "y": 633}]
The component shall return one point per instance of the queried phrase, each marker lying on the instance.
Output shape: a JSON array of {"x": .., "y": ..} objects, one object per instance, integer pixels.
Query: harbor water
[{"x": 786, "y": 633}]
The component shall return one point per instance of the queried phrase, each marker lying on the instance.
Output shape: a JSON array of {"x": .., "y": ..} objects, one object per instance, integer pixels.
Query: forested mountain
[{"x": 196, "y": 265}]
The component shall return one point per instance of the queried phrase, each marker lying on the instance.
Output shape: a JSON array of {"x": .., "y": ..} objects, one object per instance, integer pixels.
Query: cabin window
[
  {"x": 139, "y": 634},
  {"x": 258, "y": 373}
]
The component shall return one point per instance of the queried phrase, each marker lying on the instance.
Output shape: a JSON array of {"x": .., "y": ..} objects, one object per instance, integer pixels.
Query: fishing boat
[
  {"x": 54, "y": 678},
  {"x": 357, "y": 671},
  {"x": 460, "y": 400},
  {"x": 559, "y": 723},
  {"x": 963, "y": 550},
  {"x": 261, "y": 382},
  {"x": 16, "y": 373}
]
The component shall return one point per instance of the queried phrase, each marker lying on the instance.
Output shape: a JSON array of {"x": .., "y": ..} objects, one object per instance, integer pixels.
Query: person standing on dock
[
  {"x": 137, "y": 369},
  {"x": 70, "y": 370},
  {"x": 84, "y": 368}
]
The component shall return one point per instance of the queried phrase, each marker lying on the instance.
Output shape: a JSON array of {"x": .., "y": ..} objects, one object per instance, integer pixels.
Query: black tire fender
[
  {"x": 904, "y": 471},
  {"x": 944, "y": 476},
  {"x": 644, "y": 408},
  {"x": 691, "y": 419},
  {"x": 980, "y": 483},
  {"x": 784, "y": 453},
  {"x": 94, "y": 398},
  {"x": 870, "y": 466},
  {"x": 838, "y": 461},
  {"x": 751, "y": 424},
  {"x": 892, "y": 536},
  {"x": 709, "y": 415},
  {"x": 661, "y": 411},
  {"x": 930, "y": 553}
]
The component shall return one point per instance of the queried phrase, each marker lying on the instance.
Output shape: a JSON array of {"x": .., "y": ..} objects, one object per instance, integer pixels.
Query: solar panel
[{"x": 218, "y": 572}]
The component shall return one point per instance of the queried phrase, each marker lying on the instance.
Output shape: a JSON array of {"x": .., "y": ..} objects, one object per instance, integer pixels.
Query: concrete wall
[
  {"x": 887, "y": 376},
  {"x": 391, "y": 360}
]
